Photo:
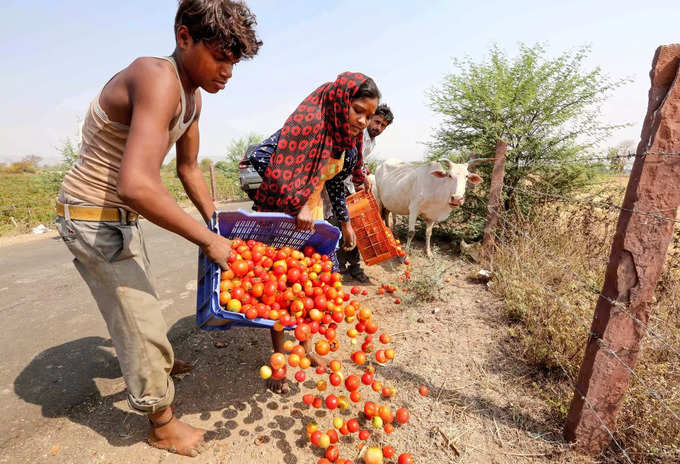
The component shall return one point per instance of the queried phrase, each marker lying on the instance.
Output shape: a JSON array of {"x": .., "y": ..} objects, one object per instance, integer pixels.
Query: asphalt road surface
[{"x": 47, "y": 312}]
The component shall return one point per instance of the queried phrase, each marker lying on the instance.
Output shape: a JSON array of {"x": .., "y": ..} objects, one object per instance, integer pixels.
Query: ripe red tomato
[
  {"x": 371, "y": 326},
  {"x": 423, "y": 390},
  {"x": 367, "y": 378},
  {"x": 335, "y": 379},
  {"x": 308, "y": 399},
  {"x": 314, "y": 437},
  {"x": 388, "y": 451},
  {"x": 370, "y": 409},
  {"x": 355, "y": 396},
  {"x": 332, "y": 453},
  {"x": 331, "y": 402},
  {"x": 240, "y": 267},
  {"x": 380, "y": 356},
  {"x": 364, "y": 435},
  {"x": 353, "y": 425},
  {"x": 251, "y": 313},
  {"x": 317, "y": 403},
  {"x": 278, "y": 374},
  {"x": 300, "y": 376},
  {"x": 389, "y": 428},
  {"x": 303, "y": 332},
  {"x": 352, "y": 383},
  {"x": 402, "y": 415},
  {"x": 333, "y": 435},
  {"x": 405, "y": 458},
  {"x": 320, "y": 302}
]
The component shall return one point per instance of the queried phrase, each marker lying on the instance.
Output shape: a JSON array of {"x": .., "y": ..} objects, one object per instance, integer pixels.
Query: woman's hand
[
  {"x": 304, "y": 219},
  {"x": 349, "y": 238}
]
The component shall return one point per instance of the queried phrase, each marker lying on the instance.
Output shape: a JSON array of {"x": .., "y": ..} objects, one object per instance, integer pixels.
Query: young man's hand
[
  {"x": 368, "y": 185},
  {"x": 218, "y": 250},
  {"x": 349, "y": 238},
  {"x": 304, "y": 219}
]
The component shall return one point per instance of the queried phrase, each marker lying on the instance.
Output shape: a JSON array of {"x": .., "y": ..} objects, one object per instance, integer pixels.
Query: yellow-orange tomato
[
  {"x": 323, "y": 347},
  {"x": 277, "y": 360},
  {"x": 293, "y": 360},
  {"x": 225, "y": 285},
  {"x": 389, "y": 353},
  {"x": 288, "y": 345},
  {"x": 335, "y": 365},
  {"x": 364, "y": 314},
  {"x": 311, "y": 428},
  {"x": 377, "y": 386},
  {"x": 373, "y": 455},
  {"x": 385, "y": 414},
  {"x": 321, "y": 385},
  {"x": 352, "y": 332},
  {"x": 350, "y": 311},
  {"x": 234, "y": 305},
  {"x": 305, "y": 363},
  {"x": 265, "y": 372},
  {"x": 299, "y": 350},
  {"x": 224, "y": 298}
]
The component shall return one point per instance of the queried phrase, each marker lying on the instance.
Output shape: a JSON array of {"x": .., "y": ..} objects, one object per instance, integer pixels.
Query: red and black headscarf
[{"x": 317, "y": 130}]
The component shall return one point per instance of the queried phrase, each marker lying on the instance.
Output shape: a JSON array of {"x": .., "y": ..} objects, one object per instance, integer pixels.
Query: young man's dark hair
[
  {"x": 224, "y": 22},
  {"x": 386, "y": 113}
]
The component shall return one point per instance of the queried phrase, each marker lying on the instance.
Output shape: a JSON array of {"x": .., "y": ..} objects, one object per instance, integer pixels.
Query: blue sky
[{"x": 57, "y": 55}]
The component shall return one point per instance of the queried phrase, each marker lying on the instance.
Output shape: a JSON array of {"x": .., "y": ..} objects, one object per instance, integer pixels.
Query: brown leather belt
[{"x": 95, "y": 213}]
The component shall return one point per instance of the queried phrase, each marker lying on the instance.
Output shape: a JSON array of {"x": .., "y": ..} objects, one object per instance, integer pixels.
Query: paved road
[{"x": 48, "y": 315}]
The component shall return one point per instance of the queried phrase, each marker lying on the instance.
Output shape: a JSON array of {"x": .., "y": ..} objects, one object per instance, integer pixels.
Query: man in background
[{"x": 350, "y": 260}]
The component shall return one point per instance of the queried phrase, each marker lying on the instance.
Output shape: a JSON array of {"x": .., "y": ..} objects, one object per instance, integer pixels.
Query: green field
[{"x": 27, "y": 200}]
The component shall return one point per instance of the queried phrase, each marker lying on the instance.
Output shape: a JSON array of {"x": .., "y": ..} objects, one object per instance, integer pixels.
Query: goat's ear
[
  {"x": 474, "y": 179},
  {"x": 439, "y": 173}
]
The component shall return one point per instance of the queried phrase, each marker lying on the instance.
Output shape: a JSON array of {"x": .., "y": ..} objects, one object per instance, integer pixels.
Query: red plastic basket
[{"x": 375, "y": 241}]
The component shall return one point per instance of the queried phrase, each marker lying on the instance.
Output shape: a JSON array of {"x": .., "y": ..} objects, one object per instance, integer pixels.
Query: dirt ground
[{"x": 482, "y": 407}]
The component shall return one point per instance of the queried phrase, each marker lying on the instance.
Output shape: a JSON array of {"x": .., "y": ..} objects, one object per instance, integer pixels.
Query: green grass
[{"x": 27, "y": 200}]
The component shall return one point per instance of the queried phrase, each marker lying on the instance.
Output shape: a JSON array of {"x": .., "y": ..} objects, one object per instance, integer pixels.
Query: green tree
[
  {"x": 546, "y": 109},
  {"x": 69, "y": 152},
  {"x": 619, "y": 155},
  {"x": 237, "y": 147}
]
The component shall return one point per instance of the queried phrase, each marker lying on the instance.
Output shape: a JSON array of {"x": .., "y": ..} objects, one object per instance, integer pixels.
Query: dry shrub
[{"x": 549, "y": 270}]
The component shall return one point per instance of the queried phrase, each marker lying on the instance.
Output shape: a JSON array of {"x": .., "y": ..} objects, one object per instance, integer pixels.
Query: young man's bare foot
[
  {"x": 180, "y": 367},
  {"x": 280, "y": 387},
  {"x": 317, "y": 360},
  {"x": 169, "y": 433}
]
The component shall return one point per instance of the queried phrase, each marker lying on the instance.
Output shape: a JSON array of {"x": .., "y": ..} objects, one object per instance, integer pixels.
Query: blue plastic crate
[{"x": 275, "y": 229}]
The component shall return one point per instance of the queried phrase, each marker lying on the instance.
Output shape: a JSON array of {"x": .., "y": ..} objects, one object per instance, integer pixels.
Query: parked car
[{"x": 248, "y": 177}]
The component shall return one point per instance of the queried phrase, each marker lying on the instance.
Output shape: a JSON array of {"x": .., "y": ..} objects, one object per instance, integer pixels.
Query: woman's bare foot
[
  {"x": 175, "y": 436},
  {"x": 280, "y": 387},
  {"x": 180, "y": 367}
]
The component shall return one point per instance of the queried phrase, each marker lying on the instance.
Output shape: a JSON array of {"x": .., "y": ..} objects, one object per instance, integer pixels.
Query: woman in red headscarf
[
  {"x": 310, "y": 149},
  {"x": 320, "y": 141}
]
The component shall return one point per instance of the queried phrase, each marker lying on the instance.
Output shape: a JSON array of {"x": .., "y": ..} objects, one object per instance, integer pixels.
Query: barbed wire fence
[{"x": 614, "y": 353}]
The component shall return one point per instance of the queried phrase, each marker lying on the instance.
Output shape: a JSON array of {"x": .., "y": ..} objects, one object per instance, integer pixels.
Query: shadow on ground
[{"x": 224, "y": 388}]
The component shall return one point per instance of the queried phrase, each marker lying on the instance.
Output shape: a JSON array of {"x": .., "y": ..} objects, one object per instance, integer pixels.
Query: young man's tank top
[{"x": 94, "y": 177}]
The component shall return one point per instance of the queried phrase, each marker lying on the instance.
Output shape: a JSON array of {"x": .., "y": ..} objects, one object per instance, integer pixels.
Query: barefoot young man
[{"x": 129, "y": 128}]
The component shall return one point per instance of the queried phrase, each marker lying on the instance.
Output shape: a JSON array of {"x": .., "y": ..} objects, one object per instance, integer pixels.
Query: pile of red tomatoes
[{"x": 299, "y": 288}]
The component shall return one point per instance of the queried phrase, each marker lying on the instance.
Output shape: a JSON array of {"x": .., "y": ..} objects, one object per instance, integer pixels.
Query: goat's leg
[{"x": 428, "y": 234}]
